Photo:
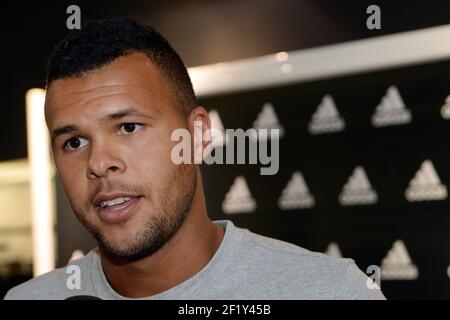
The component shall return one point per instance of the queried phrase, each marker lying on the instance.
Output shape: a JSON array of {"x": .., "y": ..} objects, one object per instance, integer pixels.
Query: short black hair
[{"x": 100, "y": 42}]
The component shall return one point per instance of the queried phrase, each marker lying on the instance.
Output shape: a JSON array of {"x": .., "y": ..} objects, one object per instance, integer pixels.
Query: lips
[
  {"x": 112, "y": 196},
  {"x": 115, "y": 208},
  {"x": 114, "y": 202}
]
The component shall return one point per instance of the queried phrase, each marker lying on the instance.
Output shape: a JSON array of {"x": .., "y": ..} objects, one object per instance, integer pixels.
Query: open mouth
[
  {"x": 114, "y": 202},
  {"x": 117, "y": 209}
]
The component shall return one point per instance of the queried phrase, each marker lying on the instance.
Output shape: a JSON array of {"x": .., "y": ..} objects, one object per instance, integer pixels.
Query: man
[{"x": 116, "y": 91}]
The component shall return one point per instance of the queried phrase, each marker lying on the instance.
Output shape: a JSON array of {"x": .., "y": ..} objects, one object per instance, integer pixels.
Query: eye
[
  {"x": 75, "y": 143},
  {"x": 128, "y": 128}
]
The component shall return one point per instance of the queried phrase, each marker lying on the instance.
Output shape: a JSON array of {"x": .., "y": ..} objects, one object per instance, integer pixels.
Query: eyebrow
[
  {"x": 122, "y": 114},
  {"x": 62, "y": 130},
  {"x": 108, "y": 118}
]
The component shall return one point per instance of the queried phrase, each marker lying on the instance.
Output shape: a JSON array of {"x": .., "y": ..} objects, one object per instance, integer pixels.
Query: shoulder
[
  {"x": 46, "y": 286},
  {"x": 53, "y": 285},
  {"x": 287, "y": 255},
  {"x": 292, "y": 267}
]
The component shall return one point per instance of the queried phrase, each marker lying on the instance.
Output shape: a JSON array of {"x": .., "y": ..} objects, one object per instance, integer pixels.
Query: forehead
[{"x": 129, "y": 79}]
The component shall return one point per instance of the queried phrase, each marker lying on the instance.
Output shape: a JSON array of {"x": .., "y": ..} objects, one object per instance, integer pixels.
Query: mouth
[
  {"x": 116, "y": 208},
  {"x": 114, "y": 202}
]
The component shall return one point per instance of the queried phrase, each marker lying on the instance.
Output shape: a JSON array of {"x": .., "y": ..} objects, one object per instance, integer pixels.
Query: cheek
[
  {"x": 149, "y": 163},
  {"x": 149, "y": 167},
  {"x": 73, "y": 180},
  {"x": 152, "y": 152}
]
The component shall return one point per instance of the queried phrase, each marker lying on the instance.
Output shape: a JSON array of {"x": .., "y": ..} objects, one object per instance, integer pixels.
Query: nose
[{"x": 104, "y": 160}]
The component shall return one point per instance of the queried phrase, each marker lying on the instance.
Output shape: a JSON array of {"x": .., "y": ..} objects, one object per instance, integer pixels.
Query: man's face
[{"x": 110, "y": 131}]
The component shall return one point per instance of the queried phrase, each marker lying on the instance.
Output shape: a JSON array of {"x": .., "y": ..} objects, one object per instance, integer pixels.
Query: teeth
[{"x": 113, "y": 202}]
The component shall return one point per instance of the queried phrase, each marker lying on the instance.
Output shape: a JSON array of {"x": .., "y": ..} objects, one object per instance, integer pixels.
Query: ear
[{"x": 199, "y": 125}]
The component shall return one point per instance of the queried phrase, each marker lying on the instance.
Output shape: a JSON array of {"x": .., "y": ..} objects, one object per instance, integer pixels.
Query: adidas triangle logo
[
  {"x": 397, "y": 264},
  {"x": 426, "y": 185},
  {"x": 296, "y": 194},
  {"x": 267, "y": 119},
  {"x": 218, "y": 139},
  {"x": 333, "y": 251},
  {"x": 391, "y": 110},
  {"x": 238, "y": 199},
  {"x": 326, "y": 118},
  {"x": 358, "y": 190},
  {"x": 445, "y": 110}
]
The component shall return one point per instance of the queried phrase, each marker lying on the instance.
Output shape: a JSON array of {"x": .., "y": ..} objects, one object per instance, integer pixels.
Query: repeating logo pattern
[
  {"x": 392, "y": 110},
  {"x": 296, "y": 195},
  {"x": 397, "y": 265},
  {"x": 238, "y": 199},
  {"x": 425, "y": 185},
  {"x": 326, "y": 119},
  {"x": 267, "y": 119},
  {"x": 358, "y": 190}
]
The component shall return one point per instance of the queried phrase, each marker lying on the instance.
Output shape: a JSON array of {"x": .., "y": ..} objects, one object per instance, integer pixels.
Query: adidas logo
[
  {"x": 218, "y": 135},
  {"x": 296, "y": 194},
  {"x": 326, "y": 118},
  {"x": 266, "y": 119},
  {"x": 238, "y": 199},
  {"x": 445, "y": 110},
  {"x": 391, "y": 110},
  {"x": 333, "y": 251},
  {"x": 358, "y": 190},
  {"x": 397, "y": 264},
  {"x": 426, "y": 185}
]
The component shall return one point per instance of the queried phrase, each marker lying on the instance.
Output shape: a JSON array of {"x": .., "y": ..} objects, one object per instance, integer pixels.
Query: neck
[{"x": 180, "y": 258}]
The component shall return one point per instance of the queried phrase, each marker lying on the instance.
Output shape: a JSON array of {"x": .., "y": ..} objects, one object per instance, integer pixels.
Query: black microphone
[{"x": 83, "y": 297}]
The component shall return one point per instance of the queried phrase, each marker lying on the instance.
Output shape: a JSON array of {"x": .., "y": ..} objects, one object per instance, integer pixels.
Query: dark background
[
  {"x": 202, "y": 31},
  {"x": 390, "y": 156},
  {"x": 205, "y": 32}
]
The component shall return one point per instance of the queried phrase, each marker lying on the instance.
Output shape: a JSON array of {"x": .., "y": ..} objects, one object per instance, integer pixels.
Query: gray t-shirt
[{"x": 245, "y": 266}]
